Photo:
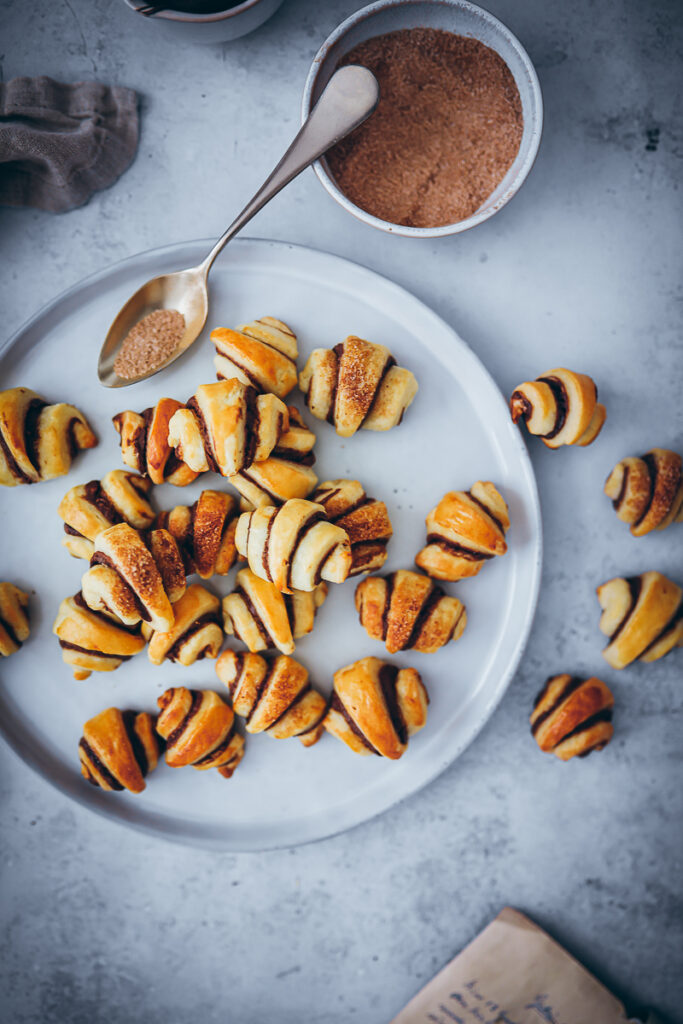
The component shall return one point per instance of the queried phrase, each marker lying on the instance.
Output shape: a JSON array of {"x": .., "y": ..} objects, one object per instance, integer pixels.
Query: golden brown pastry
[
  {"x": 195, "y": 634},
  {"x": 647, "y": 492},
  {"x": 87, "y": 509},
  {"x": 38, "y": 441},
  {"x": 572, "y": 717},
  {"x": 262, "y": 353},
  {"x": 376, "y": 707},
  {"x": 285, "y": 474},
  {"x": 199, "y": 729},
  {"x": 14, "y": 624},
  {"x": 226, "y": 426},
  {"x": 365, "y": 520},
  {"x": 205, "y": 533},
  {"x": 145, "y": 447},
  {"x": 293, "y": 546},
  {"x": 357, "y": 384},
  {"x": 118, "y": 749},
  {"x": 642, "y": 616},
  {"x": 407, "y": 610},
  {"x": 464, "y": 530},
  {"x": 262, "y": 618},
  {"x": 92, "y": 641},
  {"x": 273, "y": 696},
  {"x": 561, "y": 407},
  {"x": 135, "y": 576}
]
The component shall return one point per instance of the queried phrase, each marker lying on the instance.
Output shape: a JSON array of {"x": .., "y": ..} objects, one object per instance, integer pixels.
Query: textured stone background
[{"x": 582, "y": 268}]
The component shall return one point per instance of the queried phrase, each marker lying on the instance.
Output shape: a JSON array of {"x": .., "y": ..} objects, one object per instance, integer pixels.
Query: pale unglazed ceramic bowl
[
  {"x": 464, "y": 19},
  {"x": 210, "y": 28}
]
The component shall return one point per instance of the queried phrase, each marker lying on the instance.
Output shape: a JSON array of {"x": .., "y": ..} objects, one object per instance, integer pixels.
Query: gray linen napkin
[{"x": 60, "y": 143}]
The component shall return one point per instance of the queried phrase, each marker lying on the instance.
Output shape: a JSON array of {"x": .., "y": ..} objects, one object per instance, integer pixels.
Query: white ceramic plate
[{"x": 458, "y": 430}]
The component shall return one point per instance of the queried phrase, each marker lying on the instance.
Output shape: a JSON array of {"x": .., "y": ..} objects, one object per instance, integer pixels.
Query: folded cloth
[{"x": 60, "y": 143}]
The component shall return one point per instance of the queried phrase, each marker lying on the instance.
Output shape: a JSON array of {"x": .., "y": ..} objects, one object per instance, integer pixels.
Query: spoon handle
[{"x": 350, "y": 96}]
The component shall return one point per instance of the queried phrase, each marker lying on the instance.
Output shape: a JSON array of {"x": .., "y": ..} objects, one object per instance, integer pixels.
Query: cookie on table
[
  {"x": 642, "y": 616},
  {"x": 572, "y": 717},
  {"x": 561, "y": 407},
  {"x": 647, "y": 490}
]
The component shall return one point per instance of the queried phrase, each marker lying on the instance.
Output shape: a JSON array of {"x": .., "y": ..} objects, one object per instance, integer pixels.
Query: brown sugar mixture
[
  {"x": 150, "y": 343},
  {"x": 447, "y": 128}
]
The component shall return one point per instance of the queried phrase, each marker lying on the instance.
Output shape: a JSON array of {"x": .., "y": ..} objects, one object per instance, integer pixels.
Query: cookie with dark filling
[
  {"x": 227, "y": 426},
  {"x": 365, "y": 520},
  {"x": 561, "y": 407},
  {"x": 262, "y": 617},
  {"x": 38, "y": 441},
  {"x": 572, "y": 717},
  {"x": 199, "y": 730},
  {"x": 262, "y": 353},
  {"x": 377, "y": 707},
  {"x": 464, "y": 531},
  {"x": 294, "y": 546},
  {"x": 118, "y": 749},
  {"x": 408, "y": 611},
  {"x": 642, "y": 616},
  {"x": 357, "y": 384},
  {"x": 275, "y": 697},
  {"x": 647, "y": 490},
  {"x": 88, "y": 509}
]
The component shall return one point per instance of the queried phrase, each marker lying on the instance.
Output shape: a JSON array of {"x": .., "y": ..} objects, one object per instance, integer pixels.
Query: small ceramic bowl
[
  {"x": 210, "y": 28},
  {"x": 464, "y": 19}
]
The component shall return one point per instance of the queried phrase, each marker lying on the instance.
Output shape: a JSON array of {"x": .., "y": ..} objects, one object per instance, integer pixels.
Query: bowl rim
[
  {"x": 478, "y": 217},
  {"x": 200, "y": 19}
]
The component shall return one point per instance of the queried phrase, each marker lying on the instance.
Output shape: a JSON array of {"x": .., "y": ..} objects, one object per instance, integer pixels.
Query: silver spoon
[{"x": 349, "y": 97}]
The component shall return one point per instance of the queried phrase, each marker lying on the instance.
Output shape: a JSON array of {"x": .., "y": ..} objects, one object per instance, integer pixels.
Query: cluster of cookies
[
  {"x": 294, "y": 536},
  {"x": 642, "y": 615}
]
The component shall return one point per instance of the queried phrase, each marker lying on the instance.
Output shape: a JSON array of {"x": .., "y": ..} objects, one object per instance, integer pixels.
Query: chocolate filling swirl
[
  {"x": 561, "y": 401},
  {"x": 99, "y": 766}
]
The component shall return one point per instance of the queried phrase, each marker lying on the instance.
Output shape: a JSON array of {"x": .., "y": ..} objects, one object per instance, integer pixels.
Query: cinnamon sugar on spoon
[
  {"x": 446, "y": 131},
  {"x": 150, "y": 343}
]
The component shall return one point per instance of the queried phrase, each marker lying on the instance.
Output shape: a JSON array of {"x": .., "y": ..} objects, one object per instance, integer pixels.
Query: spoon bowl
[
  {"x": 350, "y": 96},
  {"x": 184, "y": 291}
]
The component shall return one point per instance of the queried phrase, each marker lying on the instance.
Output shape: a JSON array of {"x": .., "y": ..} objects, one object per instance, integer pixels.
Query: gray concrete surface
[{"x": 583, "y": 268}]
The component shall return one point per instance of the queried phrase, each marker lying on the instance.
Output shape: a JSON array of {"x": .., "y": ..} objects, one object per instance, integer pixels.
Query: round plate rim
[{"x": 120, "y": 813}]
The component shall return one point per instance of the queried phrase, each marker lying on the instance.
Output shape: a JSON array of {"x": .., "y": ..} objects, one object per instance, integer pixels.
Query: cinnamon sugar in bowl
[{"x": 458, "y": 124}]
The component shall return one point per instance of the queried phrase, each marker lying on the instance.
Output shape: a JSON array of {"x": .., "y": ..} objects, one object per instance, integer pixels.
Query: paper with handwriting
[{"x": 513, "y": 973}]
